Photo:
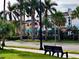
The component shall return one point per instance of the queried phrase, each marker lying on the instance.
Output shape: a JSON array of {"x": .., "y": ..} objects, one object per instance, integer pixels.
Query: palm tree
[
  {"x": 10, "y": 13},
  {"x": 58, "y": 19},
  {"x": 21, "y": 14},
  {"x": 47, "y": 25},
  {"x": 31, "y": 7},
  {"x": 48, "y": 8},
  {"x": 3, "y": 41},
  {"x": 75, "y": 13},
  {"x": 21, "y": 10}
]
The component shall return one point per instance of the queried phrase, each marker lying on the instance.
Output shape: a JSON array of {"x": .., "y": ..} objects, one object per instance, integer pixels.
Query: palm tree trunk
[
  {"x": 46, "y": 34},
  {"x": 20, "y": 26},
  {"x": 33, "y": 23},
  {"x": 45, "y": 25},
  {"x": 21, "y": 18},
  {"x": 55, "y": 34},
  {"x": 24, "y": 23},
  {"x": 3, "y": 43},
  {"x": 58, "y": 33}
]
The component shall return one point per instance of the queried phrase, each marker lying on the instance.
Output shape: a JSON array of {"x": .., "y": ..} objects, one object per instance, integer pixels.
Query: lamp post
[{"x": 40, "y": 32}]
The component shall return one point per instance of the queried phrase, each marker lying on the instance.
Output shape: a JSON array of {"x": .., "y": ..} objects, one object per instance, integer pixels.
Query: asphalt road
[{"x": 66, "y": 46}]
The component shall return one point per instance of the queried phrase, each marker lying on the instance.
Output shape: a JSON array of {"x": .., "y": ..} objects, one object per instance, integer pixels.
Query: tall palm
[
  {"x": 31, "y": 7},
  {"x": 3, "y": 41},
  {"x": 10, "y": 13},
  {"x": 48, "y": 8},
  {"x": 21, "y": 9}
]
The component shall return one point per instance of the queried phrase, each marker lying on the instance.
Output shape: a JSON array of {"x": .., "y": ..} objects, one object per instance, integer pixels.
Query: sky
[{"x": 63, "y": 6}]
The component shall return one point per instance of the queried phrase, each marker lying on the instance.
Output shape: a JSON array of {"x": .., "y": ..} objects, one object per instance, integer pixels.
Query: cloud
[{"x": 63, "y": 5}]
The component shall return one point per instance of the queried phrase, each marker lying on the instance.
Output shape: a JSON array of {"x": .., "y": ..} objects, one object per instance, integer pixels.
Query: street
[{"x": 66, "y": 46}]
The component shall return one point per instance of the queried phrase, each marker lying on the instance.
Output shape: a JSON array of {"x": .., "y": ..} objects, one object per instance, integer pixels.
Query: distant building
[{"x": 68, "y": 18}]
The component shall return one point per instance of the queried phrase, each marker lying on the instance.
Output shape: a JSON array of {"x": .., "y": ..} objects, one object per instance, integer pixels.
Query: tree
[
  {"x": 31, "y": 7},
  {"x": 11, "y": 13},
  {"x": 48, "y": 8},
  {"x": 20, "y": 8},
  {"x": 5, "y": 31},
  {"x": 75, "y": 13},
  {"x": 26, "y": 7},
  {"x": 58, "y": 19},
  {"x": 47, "y": 25}
]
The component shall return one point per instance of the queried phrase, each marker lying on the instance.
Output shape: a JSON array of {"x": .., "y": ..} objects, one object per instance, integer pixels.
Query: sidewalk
[{"x": 41, "y": 52}]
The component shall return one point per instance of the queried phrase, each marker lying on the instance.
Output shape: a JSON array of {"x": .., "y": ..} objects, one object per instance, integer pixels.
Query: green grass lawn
[
  {"x": 13, "y": 54},
  {"x": 51, "y": 41}
]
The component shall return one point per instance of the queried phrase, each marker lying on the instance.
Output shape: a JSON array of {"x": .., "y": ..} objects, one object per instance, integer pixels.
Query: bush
[{"x": 13, "y": 38}]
